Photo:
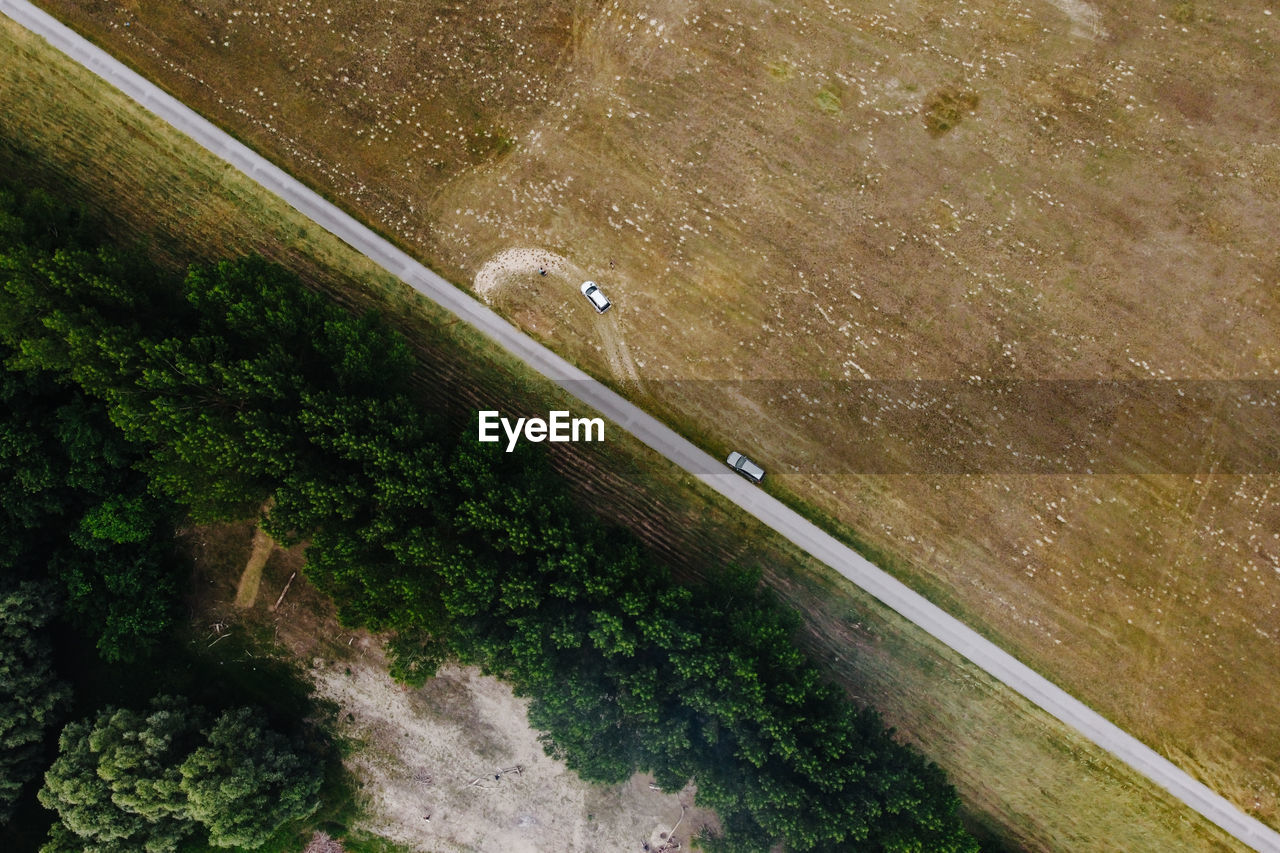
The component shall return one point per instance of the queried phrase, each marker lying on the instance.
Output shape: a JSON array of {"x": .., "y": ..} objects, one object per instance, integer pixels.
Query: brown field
[{"x": 1148, "y": 599}]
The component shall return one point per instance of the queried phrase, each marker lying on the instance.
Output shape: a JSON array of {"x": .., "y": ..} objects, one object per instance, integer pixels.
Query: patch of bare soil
[
  {"x": 512, "y": 266},
  {"x": 455, "y": 766},
  {"x": 1086, "y": 21},
  {"x": 618, "y": 354},
  {"x": 322, "y": 843}
]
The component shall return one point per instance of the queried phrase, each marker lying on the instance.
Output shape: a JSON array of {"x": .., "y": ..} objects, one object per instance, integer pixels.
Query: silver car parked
[{"x": 745, "y": 467}]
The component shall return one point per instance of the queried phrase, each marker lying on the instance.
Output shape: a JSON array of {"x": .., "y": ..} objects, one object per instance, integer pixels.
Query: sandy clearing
[
  {"x": 416, "y": 752},
  {"x": 432, "y": 759},
  {"x": 519, "y": 267}
]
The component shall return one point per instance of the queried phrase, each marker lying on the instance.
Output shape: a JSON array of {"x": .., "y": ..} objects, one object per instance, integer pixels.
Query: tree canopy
[
  {"x": 31, "y": 694},
  {"x": 146, "y": 780},
  {"x": 75, "y": 510},
  {"x": 246, "y": 780},
  {"x": 116, "y": 782}
]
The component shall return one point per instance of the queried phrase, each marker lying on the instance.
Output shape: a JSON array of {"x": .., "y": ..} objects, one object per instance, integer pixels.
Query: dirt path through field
[
  {"x": 251, "y": 578},
  {"x": 618, "y": 354}
]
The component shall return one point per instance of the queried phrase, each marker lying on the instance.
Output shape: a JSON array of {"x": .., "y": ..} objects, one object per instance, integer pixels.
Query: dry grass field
[{"x": 789, "y": 206}]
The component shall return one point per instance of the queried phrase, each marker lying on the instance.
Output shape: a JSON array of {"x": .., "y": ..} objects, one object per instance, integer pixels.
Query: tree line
[
  {"x": 90, "y": 579},
  {"x": 238, "y": 384}
]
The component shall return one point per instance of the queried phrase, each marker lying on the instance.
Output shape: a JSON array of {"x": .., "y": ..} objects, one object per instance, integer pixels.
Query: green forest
[{"x": 136, "y": 400}]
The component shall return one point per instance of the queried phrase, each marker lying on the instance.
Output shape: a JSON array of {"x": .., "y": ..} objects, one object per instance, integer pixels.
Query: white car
[
  {"x": 745, "y": 467},
  {"x": 595, "y": 296}
]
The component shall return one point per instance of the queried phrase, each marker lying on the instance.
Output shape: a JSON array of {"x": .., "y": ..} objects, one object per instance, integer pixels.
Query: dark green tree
[
  {"x": 74, "y": 510},
  {"x": 31, "y": 695},
  {"x": 147, "y": 780},
  {"x": 220, "y": 406}
]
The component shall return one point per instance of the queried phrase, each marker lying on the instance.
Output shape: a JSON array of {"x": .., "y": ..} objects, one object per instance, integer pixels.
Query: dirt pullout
[
  {"x": 1086, "y": 21},
  {"x": 514, "y": 276},
  {"x": 519, "y": 264},
  {"x": 455, "y": 766}
]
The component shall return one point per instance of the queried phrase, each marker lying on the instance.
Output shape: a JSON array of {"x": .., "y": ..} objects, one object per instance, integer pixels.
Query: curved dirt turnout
[
  {"x": 1086, "y": 21},
  {"x": 454, "y": 766},
  {"x": 504, "y": 267},
  {"x": 519, "y": 266}
]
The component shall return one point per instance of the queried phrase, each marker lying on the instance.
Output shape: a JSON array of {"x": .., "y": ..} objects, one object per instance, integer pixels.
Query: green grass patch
[
  {"x": 828, "y": 101},
  {"x": 1184, "y": 13},
  {"x": 781, "y": 70},
  {"x": 947, "y": 107}
]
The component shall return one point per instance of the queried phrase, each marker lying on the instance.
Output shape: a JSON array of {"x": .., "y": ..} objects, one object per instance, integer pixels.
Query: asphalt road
[{"x": 656, "y": 435}]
